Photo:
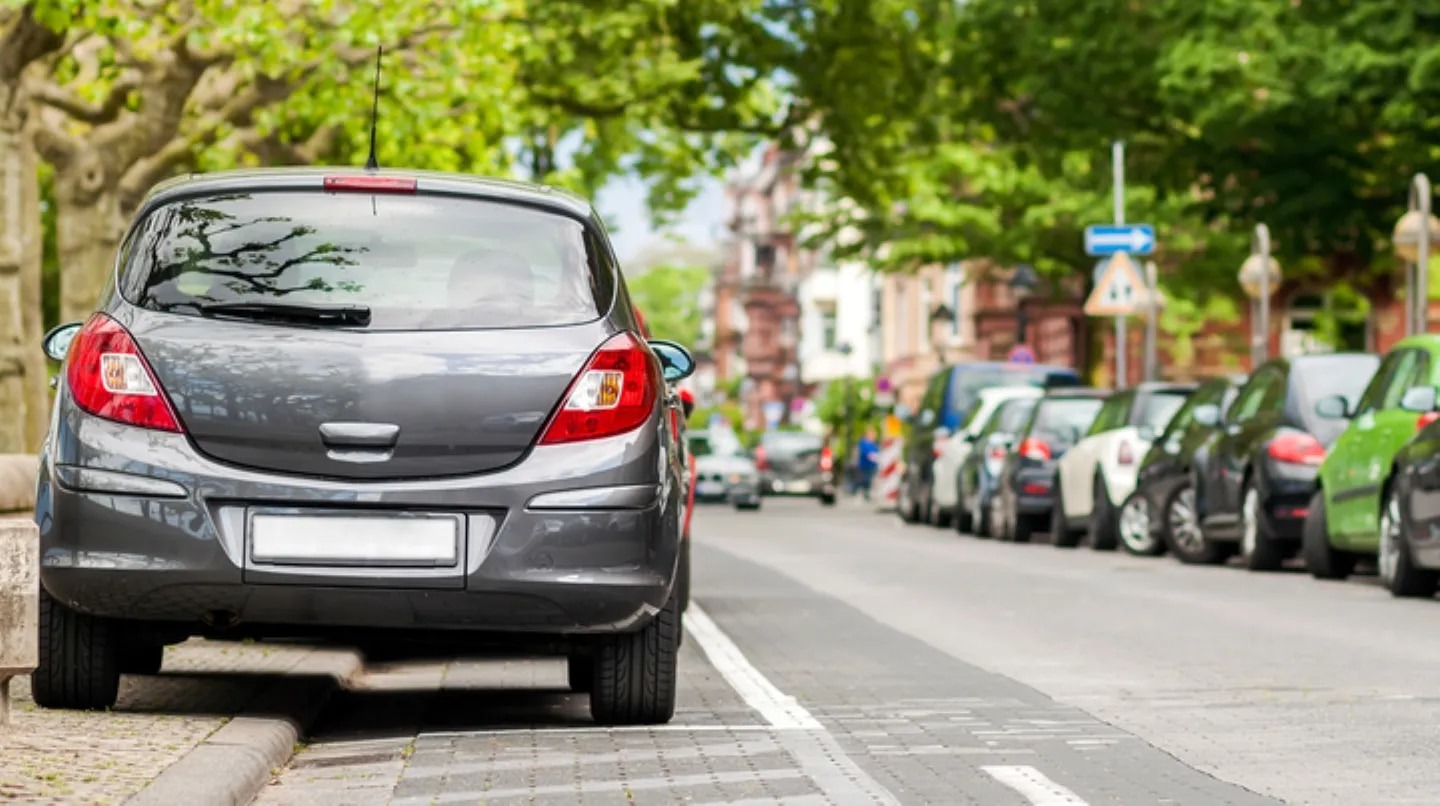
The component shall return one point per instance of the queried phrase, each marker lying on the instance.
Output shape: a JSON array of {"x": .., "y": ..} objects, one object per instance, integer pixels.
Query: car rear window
[
  {"x": 419, "y": 262},
  {"x": 1062, "y": 421},
  {"x": 1012, "y": 415},
  {"x": 790, "y": 442},
  {"x": 966, "y": 383},
  {"x": 1157, "y": 408}
]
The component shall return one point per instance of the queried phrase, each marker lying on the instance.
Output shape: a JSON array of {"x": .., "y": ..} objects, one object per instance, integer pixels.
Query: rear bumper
[
  {"x": 812, "y": 485},
  {"x": 1287, "y": 500},
  {"x": 1034, "y": 490},
  {"x": 574, "y": 539}
]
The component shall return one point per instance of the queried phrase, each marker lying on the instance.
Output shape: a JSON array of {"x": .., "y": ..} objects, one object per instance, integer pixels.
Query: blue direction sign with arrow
[{"x": 1108, "y": 239}]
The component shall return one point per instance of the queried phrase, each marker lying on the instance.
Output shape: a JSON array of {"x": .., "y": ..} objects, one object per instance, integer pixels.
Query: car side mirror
[
  {"x": 1420, "y": 399},
  {"x": 970, "y": 437},
  {"x": 676, "y": 363},
  {"x": 56, "y": 343},
  {"x": 1207, "y": 415},
  {"x": 1334, "y": 407}
]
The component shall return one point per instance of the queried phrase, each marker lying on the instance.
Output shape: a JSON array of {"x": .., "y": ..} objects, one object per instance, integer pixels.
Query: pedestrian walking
[{"x": 867, "y": 461}]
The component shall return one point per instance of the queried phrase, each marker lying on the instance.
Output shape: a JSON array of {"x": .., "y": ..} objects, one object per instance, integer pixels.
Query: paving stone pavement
[{"x": 105, "y": 757}]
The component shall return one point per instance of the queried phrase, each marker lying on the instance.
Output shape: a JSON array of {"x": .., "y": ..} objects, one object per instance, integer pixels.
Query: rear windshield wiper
[{"x": 314, "y": 313}]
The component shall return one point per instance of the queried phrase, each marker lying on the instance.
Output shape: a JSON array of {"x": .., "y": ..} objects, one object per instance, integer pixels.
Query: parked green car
[{"x": 1343, "y": 522}]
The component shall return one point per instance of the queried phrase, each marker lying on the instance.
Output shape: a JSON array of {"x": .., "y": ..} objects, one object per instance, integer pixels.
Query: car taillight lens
[
  {"x": 761, "y": 463},
  {"x": 370, "y": 184},
  {"x": 1426, "y": 419},
  {"x": 827, "y": 460},
  {"x": 1297, "y": 449},
  {"x": 613, "y": 394},
  {"x": 1036, "y": 449},
  {"x": 110, "y": 378},
  {"x": 1124, "y": 455}
]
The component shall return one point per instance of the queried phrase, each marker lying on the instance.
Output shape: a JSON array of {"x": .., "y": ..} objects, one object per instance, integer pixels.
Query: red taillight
[
  {"x": 827, "y": 459},
  {"x": 1123, "y": 454},
  {"x": 1297, "y": 449},
  {"x": 1426, "y": 419},
  {"x": 613, "y": 394},
  {"x": 110, "y": 378},
  {"x": 370, "y": 184},
  {"x": 1036, "y": 449},
  {"x": 761, "y": 463},
  {"x": 997, "y": 453}
]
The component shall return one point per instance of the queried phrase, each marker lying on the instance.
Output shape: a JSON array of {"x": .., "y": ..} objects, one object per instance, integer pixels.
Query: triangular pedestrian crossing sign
[{"x": 1119, "y": 291}]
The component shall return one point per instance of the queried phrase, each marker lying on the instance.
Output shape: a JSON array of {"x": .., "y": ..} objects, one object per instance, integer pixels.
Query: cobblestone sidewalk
[{"x": 105, "y": 757}]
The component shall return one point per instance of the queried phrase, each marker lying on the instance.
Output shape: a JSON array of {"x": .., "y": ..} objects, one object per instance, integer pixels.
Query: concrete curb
[{"x": 237, "y": 761}]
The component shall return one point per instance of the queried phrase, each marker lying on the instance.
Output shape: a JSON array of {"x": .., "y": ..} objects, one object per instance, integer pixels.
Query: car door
[
  {"x": 1344, "y": 473},
  {"x": 1390, "y": 428},
  {"x": 1219, "y": 495},
  {"x": 920, "y": 467},
  {"x": 1077, "y": 466}
]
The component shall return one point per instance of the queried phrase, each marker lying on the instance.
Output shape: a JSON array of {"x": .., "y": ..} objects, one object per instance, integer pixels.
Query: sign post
[{"x": 1118, "y": 241}]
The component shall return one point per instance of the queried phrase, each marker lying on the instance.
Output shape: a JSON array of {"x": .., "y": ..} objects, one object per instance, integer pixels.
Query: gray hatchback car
[{"x": 364, "y": 406}]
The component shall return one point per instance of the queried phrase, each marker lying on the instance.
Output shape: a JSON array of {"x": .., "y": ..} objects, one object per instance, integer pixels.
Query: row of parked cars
[
  {"x": 782, "y": 463},
  {"x": 1332, "y": 458}
]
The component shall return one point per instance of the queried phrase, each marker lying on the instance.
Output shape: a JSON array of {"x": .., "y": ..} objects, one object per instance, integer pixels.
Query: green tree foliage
[{"x": 669, "y": 298}]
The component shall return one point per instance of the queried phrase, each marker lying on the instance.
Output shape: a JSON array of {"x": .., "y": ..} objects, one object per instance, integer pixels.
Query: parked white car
[
  {"x": 1095, "y": 477},
  {"x": 950, "y": 454}
]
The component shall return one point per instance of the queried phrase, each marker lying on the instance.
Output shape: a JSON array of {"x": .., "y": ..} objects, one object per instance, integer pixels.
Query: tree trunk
[
  {"x": 88, "y": 228},
  {"x": 23, "y": 375}
]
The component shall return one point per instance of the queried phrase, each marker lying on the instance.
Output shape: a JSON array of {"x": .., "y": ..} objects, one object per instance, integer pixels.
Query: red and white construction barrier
[{"x": 885, "y": 489}]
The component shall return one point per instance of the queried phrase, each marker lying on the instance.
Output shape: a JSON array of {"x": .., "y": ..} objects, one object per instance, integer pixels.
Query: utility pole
[
  {"x": 1152, "y": 327},
  {"x": 1117, "y": 157}
]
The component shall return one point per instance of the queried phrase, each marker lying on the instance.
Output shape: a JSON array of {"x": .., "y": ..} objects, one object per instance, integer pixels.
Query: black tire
[
  {"x": 940, "y": 518},
  {"x": 982, "y": 525},
  {"x": 1400, "y": 574},
  {"x": 1061, "y": 535},
  {"x": 827, "y": 500},
  {"x": 1322, "y": 560},
  {"x": 906, "y": 505},
  {"x": 1191, "y": 548},
  {"x": 1103, "y": 529},
  {"x": 141, "y": 658},
  {"x": 964, "y": 520},
  {"x": 635, "y": 674},
  {"x": 1259, "y": 550},
  {"x": 1022, "y": 527},
  {"x": 581, "y": 669},
  {"x": 79, "y": 665}
]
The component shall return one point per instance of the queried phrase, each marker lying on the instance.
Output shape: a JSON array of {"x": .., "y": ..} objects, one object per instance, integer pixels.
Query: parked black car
[
  {"x": 796, "y": 463},
  {"x": 1256, "y": 490},
  {"x": 981, "y": 468},
  {"x": 1163, "y": 490},
  {"x": 1409, "y": 555},
  {"x": 1026, "y": 488},
  {"x": 951, "y": 392}
]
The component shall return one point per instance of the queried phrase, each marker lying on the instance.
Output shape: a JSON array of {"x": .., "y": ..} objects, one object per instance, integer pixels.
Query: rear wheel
[
  {"x": 1103, "y": 527},
  {"x": 1322, "y": 560},
  {"x": 581, "y": 669},
  {"x": 1397, "y": 570},
  {"x": 906, "y": 506},
  {"x": 1183, "y": 534},
  {"x": 1258, "y": 547},
  {"x": 1136, "y": 529},
  {"x": 827, "y": 499},
  {"x": 682, "y": 576},
  {"x": 635, "y": 674},
  {"x": 79, "y": 665},
  {"x": 982, "y": 521}
]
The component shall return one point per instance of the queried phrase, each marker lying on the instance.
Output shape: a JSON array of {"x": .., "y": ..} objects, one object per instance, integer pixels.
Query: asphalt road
[{"x": 838, "y": 656}]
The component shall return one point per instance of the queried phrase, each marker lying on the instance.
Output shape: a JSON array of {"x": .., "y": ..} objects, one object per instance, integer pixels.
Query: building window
[
  {"x": 1325, "y": 322},
  {"x": 828, "y": 331}
]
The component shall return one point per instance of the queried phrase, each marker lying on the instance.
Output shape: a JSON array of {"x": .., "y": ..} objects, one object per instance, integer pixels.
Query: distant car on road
[
  {"x": 796, "y": 463},
  {"x": 364, "y": 406},
  {"x": 723, "y": 471},
  {"x": 952, "y": 452},
  {"x": 980, "y": 470},
  {"x": 950, "y": 394}
]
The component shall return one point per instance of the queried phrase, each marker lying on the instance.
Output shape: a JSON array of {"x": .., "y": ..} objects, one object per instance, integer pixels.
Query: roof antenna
[{"x": 373, "y": 164}]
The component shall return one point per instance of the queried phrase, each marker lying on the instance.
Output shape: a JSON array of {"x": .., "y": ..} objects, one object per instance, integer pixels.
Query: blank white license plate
[
  {"x": 355, "y": 539},
  {"x": 798, "y": 487},
  {"x": 710, "y": 488}
]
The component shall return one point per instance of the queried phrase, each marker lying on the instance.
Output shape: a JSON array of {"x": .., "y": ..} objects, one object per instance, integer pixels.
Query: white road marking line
[
  {"x": 583, "y": 729},
  {"x": 1030, "y": 782},
  {"x": 776, "y": 707}
]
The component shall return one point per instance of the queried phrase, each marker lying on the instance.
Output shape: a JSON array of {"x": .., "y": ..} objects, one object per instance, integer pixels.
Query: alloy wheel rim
[
  {"x": 1182, "y": 521},
  {"x": 1135, "y": 525},
  {"x": 1249, "y": 526},
  {"x": 1389, "y": 538}
]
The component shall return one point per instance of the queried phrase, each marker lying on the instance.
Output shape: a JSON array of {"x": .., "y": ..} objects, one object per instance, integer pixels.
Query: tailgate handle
[{"x": 359, "y": 435}]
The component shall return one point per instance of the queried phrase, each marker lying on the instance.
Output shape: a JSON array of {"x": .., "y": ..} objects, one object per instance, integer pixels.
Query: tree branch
[
  {"x": 27, "y": 40},
  {"x": 53, "y": 95}
]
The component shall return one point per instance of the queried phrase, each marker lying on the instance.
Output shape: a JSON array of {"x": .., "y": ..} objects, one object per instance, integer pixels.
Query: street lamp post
[
  {"x": 1415, "y": 249},
  {"x": 1259, "y": 276},
  {"x": 1022, "y": 284}
]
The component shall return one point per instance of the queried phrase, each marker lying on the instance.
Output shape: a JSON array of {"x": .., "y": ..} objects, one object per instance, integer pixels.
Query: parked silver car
[
  {"x": 723, "y": 471},
  {"x": 364, "y": 405}
]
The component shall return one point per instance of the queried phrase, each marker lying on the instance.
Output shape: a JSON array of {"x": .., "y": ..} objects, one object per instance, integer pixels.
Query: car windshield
[
  {"x": 1061, "y": 421},
  {"x": 1010, "y": 417},
  {"x": 790, "y": 443},
  {"x": 714, "y": 443},
  {"x": 967, "y": 382},
  {"x": 1158, "y": 408},
  {"x": 418, "y": 262}
]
